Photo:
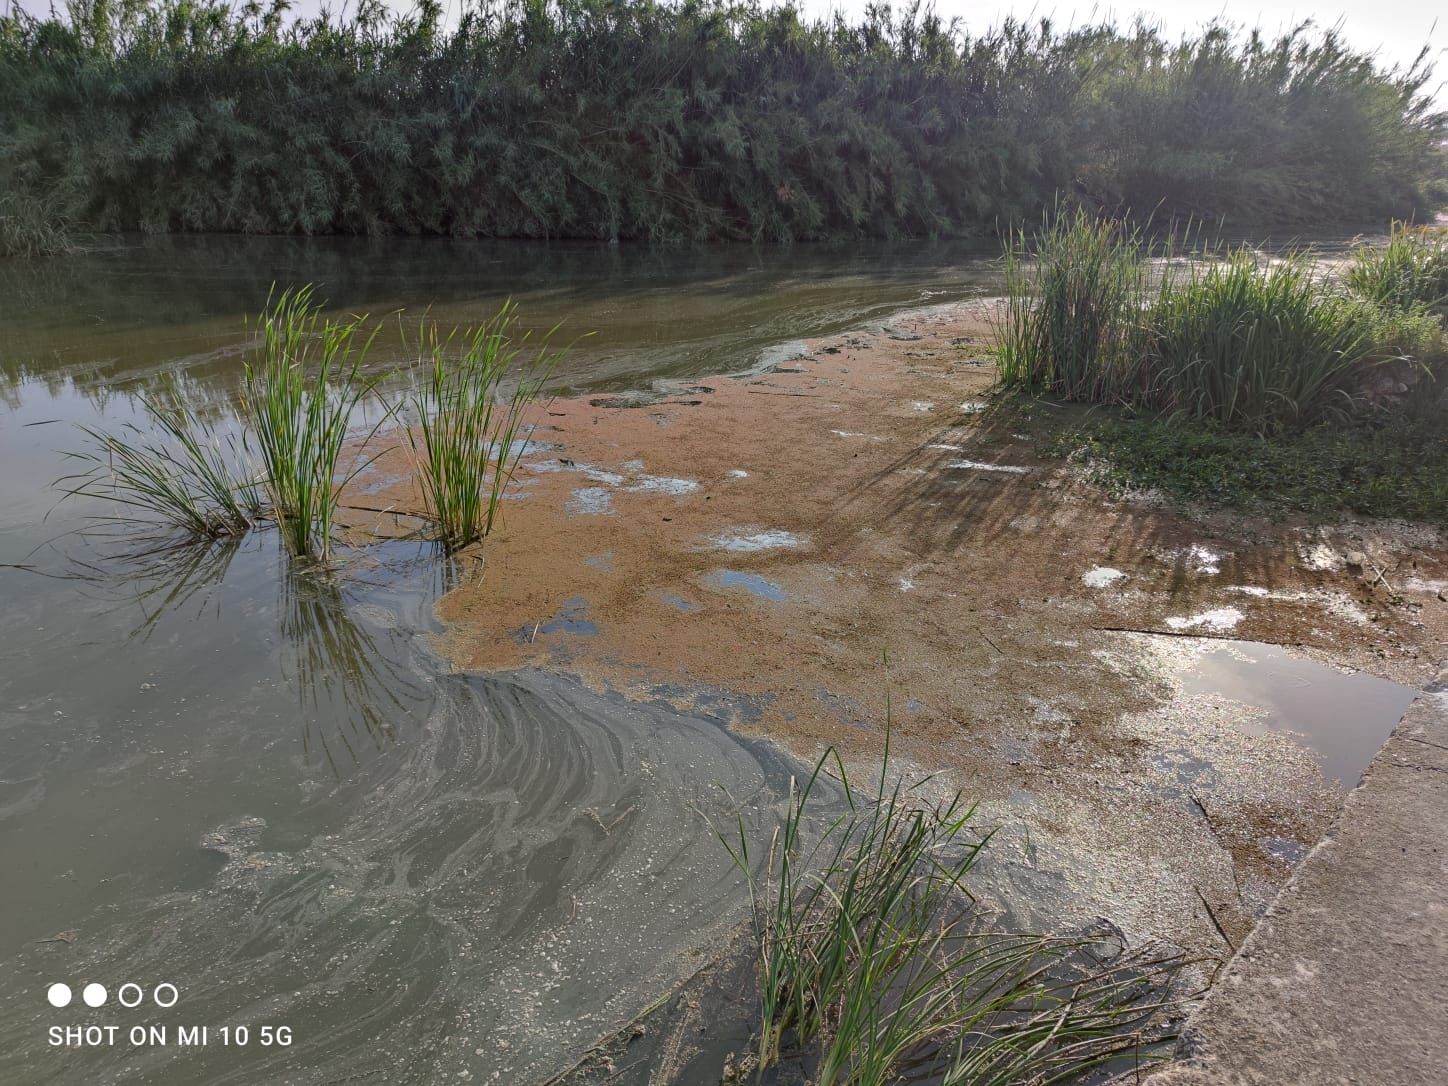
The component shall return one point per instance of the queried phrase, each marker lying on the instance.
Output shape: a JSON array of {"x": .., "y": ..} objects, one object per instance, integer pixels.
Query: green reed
[
  {"x": 1257, "y": 344},
  {"x": 1410, "y": 272},
  {"x": 869, "y": 959},
  {"x": 302, "y": 388},
  {"x": 1071, "y": 325},
  {"x": 469, "y": 434},
  {"x": 30, "y": 227},
  {"x": 180, "y": 469},
  {"x": 1099, "y": 312}
]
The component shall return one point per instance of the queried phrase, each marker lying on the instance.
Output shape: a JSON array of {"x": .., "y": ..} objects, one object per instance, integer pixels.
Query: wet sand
[{"x": 758, "y": 545}]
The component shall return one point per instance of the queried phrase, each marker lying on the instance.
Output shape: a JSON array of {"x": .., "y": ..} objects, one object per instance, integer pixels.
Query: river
[{"x": 261, "y": 785}]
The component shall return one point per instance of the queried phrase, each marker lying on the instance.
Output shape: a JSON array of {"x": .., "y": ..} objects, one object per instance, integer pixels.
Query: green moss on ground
[{"x": 1390, "y": 467}]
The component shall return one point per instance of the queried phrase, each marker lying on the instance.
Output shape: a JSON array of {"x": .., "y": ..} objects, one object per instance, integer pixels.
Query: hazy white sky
[{"x": 1396, "y": 29}]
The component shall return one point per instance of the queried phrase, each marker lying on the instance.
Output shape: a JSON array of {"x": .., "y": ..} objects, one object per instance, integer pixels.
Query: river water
[{"x": 261, "y": 785}]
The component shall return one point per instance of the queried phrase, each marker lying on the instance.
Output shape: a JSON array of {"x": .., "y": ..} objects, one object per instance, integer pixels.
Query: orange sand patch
[{"x": 920, "y": 525}]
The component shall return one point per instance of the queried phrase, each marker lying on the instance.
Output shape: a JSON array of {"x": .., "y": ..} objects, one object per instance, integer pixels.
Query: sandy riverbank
[{"x": 754, "y": 545}]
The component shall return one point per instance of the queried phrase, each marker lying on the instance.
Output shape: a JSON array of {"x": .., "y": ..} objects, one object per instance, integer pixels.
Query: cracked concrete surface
[{"x": 1346, "y": 978}]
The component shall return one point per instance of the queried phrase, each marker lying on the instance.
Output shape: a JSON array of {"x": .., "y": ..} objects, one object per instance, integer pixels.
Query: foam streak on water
[{"x": 530, "y": 870}]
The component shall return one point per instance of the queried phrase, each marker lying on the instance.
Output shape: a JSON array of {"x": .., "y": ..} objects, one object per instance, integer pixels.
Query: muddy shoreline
[{"x": 760, "y": 545}]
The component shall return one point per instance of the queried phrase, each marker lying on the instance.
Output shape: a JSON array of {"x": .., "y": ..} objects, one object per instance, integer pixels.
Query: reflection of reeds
[
  {"x": 466, "y": 441},
  {"x": 338, "y": 665},
  {"x": 301, "y": 423},
  {"x": 169, "y": 579},
  {"x": 869, "y": 962}
]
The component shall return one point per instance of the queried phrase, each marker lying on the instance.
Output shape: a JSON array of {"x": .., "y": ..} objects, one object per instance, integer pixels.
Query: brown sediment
[{"x": 925, "y": 528}]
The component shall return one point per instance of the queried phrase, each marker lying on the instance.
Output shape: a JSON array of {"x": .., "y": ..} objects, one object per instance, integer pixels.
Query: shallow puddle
[
  {"x": 1343, "y": 717},
  {"x": 770, "y": 539},
  {"x": 752, "y": 583}
]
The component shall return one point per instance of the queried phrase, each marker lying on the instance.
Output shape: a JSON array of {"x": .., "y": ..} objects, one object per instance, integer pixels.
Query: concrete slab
[{"x": 1345, "y": 980}]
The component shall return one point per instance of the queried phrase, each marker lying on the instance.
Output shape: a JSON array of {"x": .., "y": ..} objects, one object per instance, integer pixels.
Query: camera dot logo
[
  {"x": 94, "y": 995},
  {"x": 58, "y": 994}
]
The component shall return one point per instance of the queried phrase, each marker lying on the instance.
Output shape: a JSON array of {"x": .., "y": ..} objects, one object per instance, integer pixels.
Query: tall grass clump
[
  {"x": 300, "y": 392},
  {"x": 1410, "y": 272},
  {"x": 1258, "y": 345},
  {"x": 1099, "y": 312},
  {"x": 469, "y": 433},
  {"x": 179, "y": 469},
  {"x": 1072, "y": 321},
  {"x": 869, "y": 960},
  {"x": 28, "y": 228}
]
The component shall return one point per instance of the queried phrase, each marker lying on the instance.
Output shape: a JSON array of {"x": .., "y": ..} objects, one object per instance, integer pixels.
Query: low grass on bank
[
  {"x": 874, "y": 968},
  {"x": 1236, "y": 380},
  {"x": 1392, "y": 467}
]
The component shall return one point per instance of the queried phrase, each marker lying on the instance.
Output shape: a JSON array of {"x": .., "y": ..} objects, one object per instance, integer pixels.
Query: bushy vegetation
[
  {"x": 680, "y": 119},
  {"x": 874, "y": 969},
  {"x": 1098, "y": 312},
  {"x": 1409, "y": 273}
]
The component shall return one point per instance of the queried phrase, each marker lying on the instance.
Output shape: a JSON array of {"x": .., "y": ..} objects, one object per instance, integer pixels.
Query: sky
[{"x": 1395, "y": 29}]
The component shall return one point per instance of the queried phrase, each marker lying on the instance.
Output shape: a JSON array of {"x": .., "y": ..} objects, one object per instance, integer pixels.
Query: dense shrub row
[{"x": 678, "y": 120}]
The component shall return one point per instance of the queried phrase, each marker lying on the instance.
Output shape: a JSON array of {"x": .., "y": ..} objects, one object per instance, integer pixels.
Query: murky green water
[{"x": 261, "y": 786}]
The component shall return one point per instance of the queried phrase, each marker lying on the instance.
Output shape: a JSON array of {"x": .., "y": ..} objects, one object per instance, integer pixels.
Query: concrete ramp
[{"x": 1345, "y": 980}]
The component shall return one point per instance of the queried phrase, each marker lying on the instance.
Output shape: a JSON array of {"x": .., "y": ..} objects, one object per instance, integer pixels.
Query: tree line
[{"x": 682, "y": 120}]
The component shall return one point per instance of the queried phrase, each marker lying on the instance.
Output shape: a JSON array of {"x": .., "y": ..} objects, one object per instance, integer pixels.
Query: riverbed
[{"x": 451, "y": 818}]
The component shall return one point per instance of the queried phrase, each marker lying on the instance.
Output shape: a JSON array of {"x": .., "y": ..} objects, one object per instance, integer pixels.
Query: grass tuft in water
[
  {"x": 301, "y": 390},
  {"x": 870, "y": 962},
  {"x": 1378, "y": 467},
  {"x": 469, "y": 436},
  {"x": 180, "y": 470}
]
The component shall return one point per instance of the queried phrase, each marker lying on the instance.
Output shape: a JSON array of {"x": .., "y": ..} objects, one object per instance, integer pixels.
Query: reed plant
[
  {"x": 870, "y": 960},
  {"x": 1101, "y": 312},
  {"x": 301, "y": 390},
  {"x": 1072, "y": 323},
  {"x": 179, "y": 468},
  {"x": 1409, "y": 273},
  {"x": 470, "y": 432},
  {"x": 29, "y": 227},
  {"x": 1256, "y": 344}
]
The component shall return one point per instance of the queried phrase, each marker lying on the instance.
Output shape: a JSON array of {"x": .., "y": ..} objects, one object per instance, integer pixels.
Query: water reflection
[
  {"x": 340, "y": 673},
  {"x": 130, "y": 312}
]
